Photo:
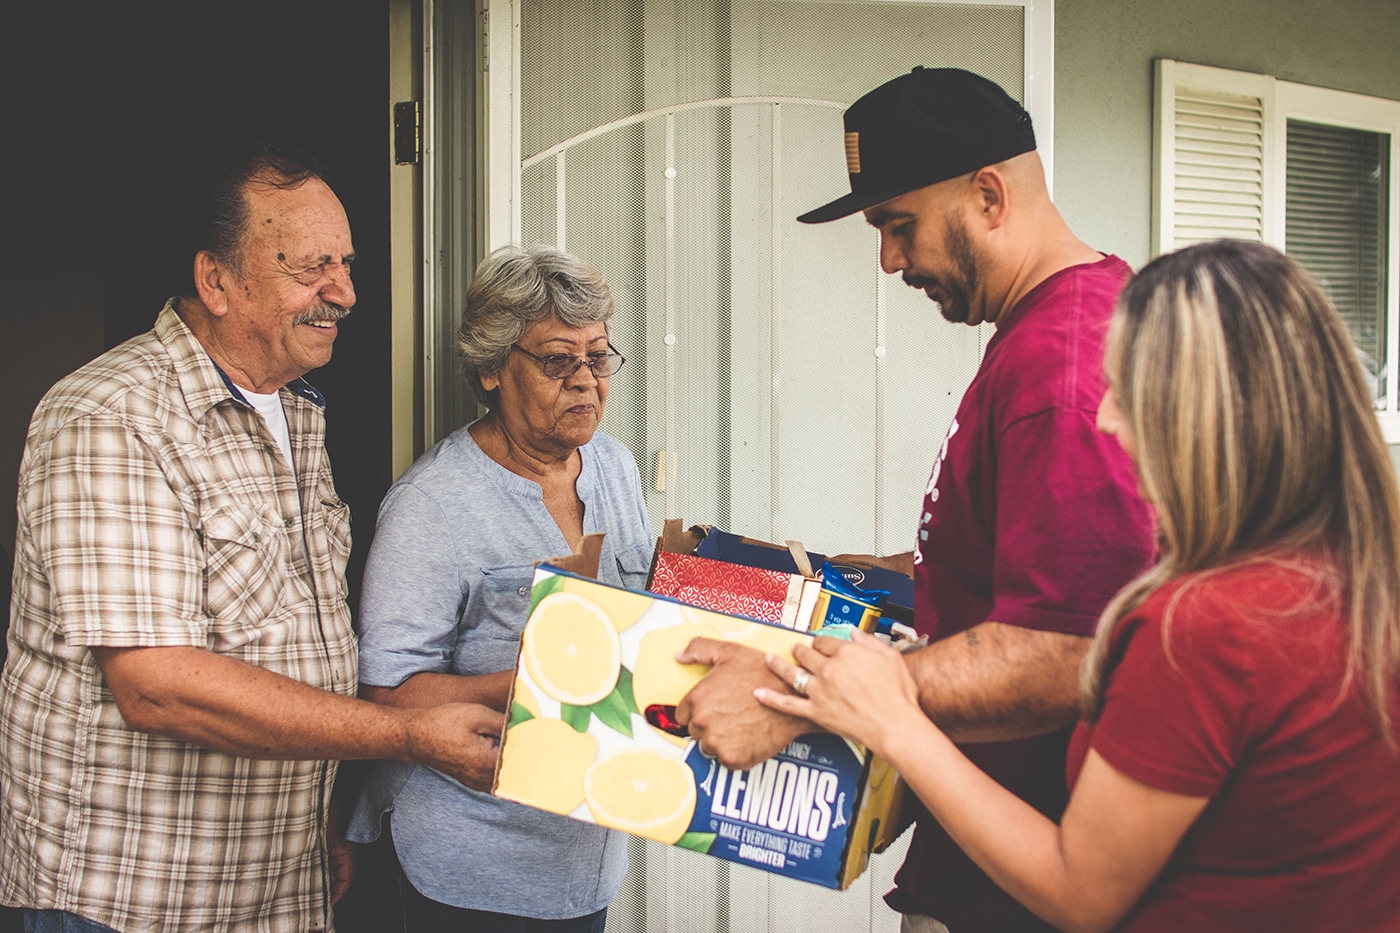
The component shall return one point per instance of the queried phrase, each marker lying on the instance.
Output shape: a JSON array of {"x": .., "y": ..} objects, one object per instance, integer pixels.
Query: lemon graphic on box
[
  {"x": 622, "y": 606},
  {"x": 641, "y": 791},
  {"x": 775, "y": 639},
  {"x": 543, "y": 763},
  {"x": 728, "y": 628},
  {"x": 523, "y": 696},
  {"x": 571, "y": 649},
  {"x": 657, "y": 678},
  {"x": 763, "y": 637}
]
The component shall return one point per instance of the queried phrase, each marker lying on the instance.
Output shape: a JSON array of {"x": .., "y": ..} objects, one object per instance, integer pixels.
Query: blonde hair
[{"x": 1256, "y": 436}]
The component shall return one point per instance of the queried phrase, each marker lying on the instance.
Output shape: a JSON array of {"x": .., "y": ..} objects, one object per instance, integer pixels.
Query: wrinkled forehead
[
  {"x": 554, "y": 330},
  {"x": 302, "y": 222}
]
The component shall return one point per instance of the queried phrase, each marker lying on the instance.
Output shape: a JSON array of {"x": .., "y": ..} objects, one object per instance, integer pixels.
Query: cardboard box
[
  {"x": 587, "y": 737},
  {"x": 721, "y": 545}
]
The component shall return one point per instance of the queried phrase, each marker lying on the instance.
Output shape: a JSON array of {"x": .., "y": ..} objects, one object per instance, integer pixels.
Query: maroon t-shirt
[
  {"x": 1247, "y": 706},
  {"x": 1031, "y": 518}
]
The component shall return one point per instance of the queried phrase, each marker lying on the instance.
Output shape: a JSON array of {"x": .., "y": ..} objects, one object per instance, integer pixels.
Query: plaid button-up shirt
[{"x": 155, "y": 509}]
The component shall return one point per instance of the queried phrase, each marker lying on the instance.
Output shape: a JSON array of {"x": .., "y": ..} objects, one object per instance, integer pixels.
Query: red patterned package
[{"x": 769, "y": 595}]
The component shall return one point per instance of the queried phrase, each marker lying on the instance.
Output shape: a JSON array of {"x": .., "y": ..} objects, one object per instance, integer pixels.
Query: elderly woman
[
  {"x": 446, "y": 594},
  {"x": 1237, "y": 769}
]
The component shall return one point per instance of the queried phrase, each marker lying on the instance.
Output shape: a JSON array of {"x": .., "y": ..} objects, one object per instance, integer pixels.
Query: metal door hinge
[
  {"x": 408, "y": 135},
  {"x": 485, "y": 40}
]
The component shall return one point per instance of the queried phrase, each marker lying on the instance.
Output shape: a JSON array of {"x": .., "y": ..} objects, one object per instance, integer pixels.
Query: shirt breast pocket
[
  {"x": 505, "y": 597},
  {"x": 633, "y": 565},
  {"x": 244, "y": 553},
  {"x": 335, "y": 515}
]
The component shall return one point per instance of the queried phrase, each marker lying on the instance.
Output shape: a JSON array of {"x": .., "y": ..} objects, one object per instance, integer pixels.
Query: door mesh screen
[{"x": 776, "y": 383}]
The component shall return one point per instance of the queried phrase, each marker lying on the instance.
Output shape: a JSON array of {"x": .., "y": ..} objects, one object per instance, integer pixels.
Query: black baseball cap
[{"x": 922, "y": 128}]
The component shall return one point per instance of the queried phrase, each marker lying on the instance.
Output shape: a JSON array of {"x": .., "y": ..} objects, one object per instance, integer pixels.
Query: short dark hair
[{"x": 222, "y": 223}]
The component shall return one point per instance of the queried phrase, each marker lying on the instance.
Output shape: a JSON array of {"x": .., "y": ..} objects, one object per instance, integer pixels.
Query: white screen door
[{"x": 777, "y": 384}]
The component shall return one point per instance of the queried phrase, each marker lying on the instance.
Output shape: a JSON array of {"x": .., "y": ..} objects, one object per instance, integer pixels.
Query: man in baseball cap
[
  {"x": 922, "y": 128},
  {"x": 1031, "y": 520}
]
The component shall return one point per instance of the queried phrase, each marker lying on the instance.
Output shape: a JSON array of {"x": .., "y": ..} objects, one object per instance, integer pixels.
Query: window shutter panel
[{"x": 1212, "y": 162}]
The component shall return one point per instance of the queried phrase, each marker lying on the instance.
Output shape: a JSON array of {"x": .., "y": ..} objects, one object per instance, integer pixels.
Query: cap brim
[{"x": 855, "y": 201}]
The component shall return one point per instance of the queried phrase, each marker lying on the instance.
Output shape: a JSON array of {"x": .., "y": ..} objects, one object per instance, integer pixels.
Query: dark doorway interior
[
  {"x": 188, "y": 77},
  {"x": 117, "y": 107},
  {"x": 113, "y": 109}
]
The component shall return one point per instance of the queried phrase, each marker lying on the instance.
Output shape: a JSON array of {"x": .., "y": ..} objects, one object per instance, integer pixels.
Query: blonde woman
[{"x": 1237, "y": 766}]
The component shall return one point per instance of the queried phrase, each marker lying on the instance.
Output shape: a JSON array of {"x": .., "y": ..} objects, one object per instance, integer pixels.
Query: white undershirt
[{"x": 270, "y": 407}]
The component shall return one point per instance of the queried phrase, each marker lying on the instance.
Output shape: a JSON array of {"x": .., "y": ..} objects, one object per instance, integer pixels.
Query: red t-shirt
[
  {"x": 1031, "y": 518},
  {"x": 1246, "y": 705}
]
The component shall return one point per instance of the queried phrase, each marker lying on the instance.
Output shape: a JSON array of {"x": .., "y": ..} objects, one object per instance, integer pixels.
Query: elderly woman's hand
[{"x": 861, "y": 689}]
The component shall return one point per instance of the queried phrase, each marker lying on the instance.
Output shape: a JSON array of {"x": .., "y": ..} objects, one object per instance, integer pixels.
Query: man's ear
[
  {"x": 211, "y": 281},
  {"x": 990, "y": 196},
  {"x": 490, "y": 382}
]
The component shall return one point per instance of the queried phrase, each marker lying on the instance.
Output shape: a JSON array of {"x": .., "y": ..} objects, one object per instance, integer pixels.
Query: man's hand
[
  {"x": 341, "y": 852},
  {"x": 722, "y": 713},
  {"x": 461, "y": 740}
]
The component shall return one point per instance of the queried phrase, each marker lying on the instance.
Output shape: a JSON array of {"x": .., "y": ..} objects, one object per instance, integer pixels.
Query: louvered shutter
[
  {"x": 1212, "y": 176},
  {"x": 1312, "y": 171}
]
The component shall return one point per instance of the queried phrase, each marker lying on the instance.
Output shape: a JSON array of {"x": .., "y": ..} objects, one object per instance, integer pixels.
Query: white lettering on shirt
[{"x": 932, "y": 491}]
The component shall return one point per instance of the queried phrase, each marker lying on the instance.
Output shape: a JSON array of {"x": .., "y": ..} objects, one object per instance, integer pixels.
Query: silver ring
[{"x": 799, "y": 681}]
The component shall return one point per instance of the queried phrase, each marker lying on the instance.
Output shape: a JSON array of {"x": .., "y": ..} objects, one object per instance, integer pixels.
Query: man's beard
[
  {"x": 324, "y": 311},
  {"x": 957, "y": 289}
]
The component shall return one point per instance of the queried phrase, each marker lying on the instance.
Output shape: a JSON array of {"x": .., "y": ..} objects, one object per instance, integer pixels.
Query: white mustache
[{"x": 322, "y": 312}]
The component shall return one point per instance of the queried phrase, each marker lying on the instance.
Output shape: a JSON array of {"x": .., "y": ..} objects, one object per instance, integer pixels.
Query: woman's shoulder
[
  {"x": 1264, "y": 581},
  {"x": 610, "y": 451},
  {"x": 444, "y": 470},
  {"x": 1264, "y": 596}
]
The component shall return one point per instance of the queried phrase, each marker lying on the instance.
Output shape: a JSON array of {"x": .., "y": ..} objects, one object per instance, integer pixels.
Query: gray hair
[
  {"x": 515, "y": 288},
  {"x": 223, "y": 211}
]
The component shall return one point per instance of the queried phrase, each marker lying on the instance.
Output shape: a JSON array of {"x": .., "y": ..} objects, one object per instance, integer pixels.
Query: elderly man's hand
[
  {"x": 722, "y": 713},
  {"x": 342, "y": 853},
  {"x": 462, "y": 740}
]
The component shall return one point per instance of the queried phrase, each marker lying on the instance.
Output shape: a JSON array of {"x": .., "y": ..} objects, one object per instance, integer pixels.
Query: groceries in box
[{"x": 592, "y": 735}]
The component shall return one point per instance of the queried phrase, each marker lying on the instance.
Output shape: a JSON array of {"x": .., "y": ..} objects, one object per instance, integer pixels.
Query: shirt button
[
  {"x": 287, "y": 523},
  {"x": 523, "y": 590}
]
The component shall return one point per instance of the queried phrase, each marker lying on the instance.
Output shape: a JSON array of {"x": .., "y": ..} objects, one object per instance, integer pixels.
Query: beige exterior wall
[{"x": 1104, "y": 50}]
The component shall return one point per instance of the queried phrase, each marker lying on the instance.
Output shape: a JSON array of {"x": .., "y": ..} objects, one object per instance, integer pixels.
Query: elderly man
[
  {"x": 182, "y": 671},
  {"x": 1031, "y": 519}
]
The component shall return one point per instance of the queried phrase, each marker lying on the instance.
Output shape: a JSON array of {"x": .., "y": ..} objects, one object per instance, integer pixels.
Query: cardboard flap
[
  {"x": 677, "y": 539},
  {"x": 799, "y": 557},
  {"x": 583, "y": 561}
]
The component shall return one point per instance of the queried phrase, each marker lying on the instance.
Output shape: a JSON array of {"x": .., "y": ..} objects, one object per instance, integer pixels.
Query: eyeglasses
[{"x": 564, "y": 365}]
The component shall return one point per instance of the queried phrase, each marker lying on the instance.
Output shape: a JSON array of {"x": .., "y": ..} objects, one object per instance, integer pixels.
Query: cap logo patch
[{"x": 853, "y": 153}]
